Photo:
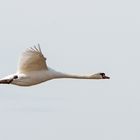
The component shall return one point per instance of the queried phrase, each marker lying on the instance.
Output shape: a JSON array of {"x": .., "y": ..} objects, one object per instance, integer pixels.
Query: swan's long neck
[
  {"x": 57, "y": 74},
  {"x": 64, "y": 75}
]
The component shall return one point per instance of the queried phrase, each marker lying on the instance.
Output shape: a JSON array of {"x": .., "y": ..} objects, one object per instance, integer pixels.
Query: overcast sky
[{"x": 76, "y": 36}]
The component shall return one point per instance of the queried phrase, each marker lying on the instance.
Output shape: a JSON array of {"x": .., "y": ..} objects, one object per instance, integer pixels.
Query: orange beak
[{"x": 106, "y": 77}]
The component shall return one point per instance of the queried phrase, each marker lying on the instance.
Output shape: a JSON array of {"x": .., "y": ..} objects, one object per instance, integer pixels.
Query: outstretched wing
[{"x": 32, "y": 60}]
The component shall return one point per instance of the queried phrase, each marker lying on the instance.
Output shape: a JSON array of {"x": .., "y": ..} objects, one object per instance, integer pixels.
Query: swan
[{"x": 32, "y": 70}]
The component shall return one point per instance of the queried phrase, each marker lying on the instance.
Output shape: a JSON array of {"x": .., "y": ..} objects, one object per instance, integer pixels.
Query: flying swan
[{"x": 32, "y": 70}]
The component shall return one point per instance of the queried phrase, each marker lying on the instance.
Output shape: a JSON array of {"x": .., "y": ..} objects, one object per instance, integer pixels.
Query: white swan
[{"x": 33, "y": 70}]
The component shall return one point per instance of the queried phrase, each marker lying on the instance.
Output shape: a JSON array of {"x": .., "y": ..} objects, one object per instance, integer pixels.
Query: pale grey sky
[{"x": 76, "y": 37}]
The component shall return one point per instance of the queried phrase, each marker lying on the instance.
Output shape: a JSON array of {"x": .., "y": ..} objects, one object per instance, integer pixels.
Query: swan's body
[{"x": 32, "y": 70}]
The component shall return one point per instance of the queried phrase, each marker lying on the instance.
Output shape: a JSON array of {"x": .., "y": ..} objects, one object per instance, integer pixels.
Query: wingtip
[
  {"x": 36, "y": 48},
  {"x": 39, "y": 47}
]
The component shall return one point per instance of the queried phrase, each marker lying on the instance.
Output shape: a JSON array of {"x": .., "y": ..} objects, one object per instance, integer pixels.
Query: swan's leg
[{"x": 8, "y": 81}]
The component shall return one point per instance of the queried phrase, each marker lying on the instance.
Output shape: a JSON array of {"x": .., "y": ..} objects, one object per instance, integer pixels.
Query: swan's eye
[
  {"x": 102, "y": 74},
  {"x": 15, "y": 77}
]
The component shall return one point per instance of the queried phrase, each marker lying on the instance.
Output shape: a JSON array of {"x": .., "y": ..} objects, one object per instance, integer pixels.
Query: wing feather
[{"x": 32, "y": 60}]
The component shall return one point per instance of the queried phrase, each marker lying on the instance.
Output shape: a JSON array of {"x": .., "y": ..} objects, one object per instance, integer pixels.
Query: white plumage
[
  {"x": 32, "y": 70},
  {"x": 32, "y": 60}
]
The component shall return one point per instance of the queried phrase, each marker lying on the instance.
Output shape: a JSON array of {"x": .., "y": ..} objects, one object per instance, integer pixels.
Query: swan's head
[
  {"x": 103, "y": 76},
  {"x": 100, "y": 75}
]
